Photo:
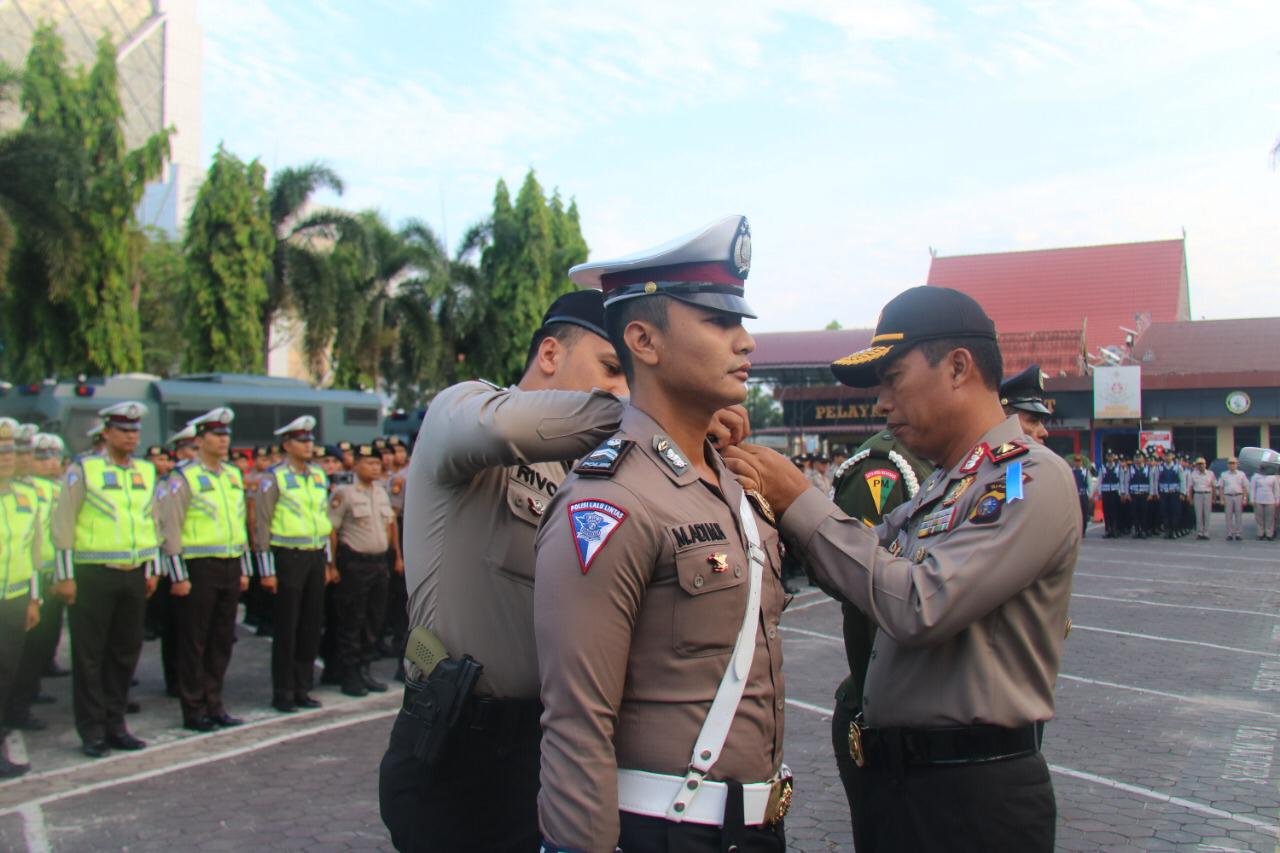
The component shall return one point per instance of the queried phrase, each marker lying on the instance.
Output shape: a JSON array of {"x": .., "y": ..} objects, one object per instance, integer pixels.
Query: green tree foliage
[
  {"x": 228, "y": 248},
  {"x": 161, "y": 275},
  {"x": 528, "y": 249},
  {"x": 89, "y": 315},
  {"x": 833, "y": 326},
  {"x": 762, "y": 408}
]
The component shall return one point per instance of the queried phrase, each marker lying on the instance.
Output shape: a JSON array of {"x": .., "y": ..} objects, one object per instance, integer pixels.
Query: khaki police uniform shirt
[
  {"x": 1201, "y": 481},
  {"x": 969, "y": 590},
  {"x": 486, "y": 465},
  {"x": 636, "y": 624},
  {"x": 361, "y": 514},
  {"x": 1234, "y": 482}
]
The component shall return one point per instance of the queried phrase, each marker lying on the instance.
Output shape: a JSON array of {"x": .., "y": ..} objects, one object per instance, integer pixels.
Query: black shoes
[
  {"x": 95, "y": 748},
  {"x": 225, "y": 720},
  {"x": 126, "y": 741},
  {"x": 199, "y": 724},
  {"x": 305, "y": 701},
  {"x": 354, "y": 687},
  {"x": 132, "y": 708},
  {"x": 371, "y": 684},
  {"x": 10, "y": 769},
  {"x": 285, "y": 707}
]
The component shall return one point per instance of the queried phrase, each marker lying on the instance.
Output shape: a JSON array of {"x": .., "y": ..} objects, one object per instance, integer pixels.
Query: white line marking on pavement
[
  {"x": 807, "y": 605},
  {"x": 1198, "y": 555},
  {"x": 1179, "y": 606},
  {"x": 1252, "y": 589},
  {"x": 1197, "y": 567},
  {"x": 1161, "y": 797},
  {"x": 1147, "y": 793},
  {"x": 198, "y": 762},
  {"x": 1239, "y": 707},
  {"x": 33, "y": 829},
  {"x": 1159, "y": 639},
  {"x": 1234, "y": 705},
  {"x": 817, "y": 709}
]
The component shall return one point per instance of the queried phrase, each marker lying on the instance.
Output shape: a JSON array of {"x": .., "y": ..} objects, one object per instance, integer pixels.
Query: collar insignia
[
  {"x": 974, "y": 460},
  {"x": 670, "y": 454}
]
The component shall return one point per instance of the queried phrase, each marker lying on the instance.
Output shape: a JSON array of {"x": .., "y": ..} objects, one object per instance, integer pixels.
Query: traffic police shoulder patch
[
  {"x": 605, "y": 459},
  {"x": 593, "y": 523},
  {"x": 988, "y": 508}
]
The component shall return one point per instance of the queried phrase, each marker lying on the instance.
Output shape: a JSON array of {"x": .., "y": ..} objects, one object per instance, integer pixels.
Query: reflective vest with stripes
[
  {"x": 214, "y": 523},
  {"x": 115, "y": 524},
  {"x": 47, "y": 491},
  {"x": 301, "y": 517},
  {"x": 18, "y": 510}
]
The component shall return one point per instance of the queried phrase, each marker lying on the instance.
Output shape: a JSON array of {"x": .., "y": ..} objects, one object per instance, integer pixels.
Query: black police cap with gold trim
[
  {"x": 582, "y": 308},
  {"x": 707, "y": 268},
  {"x": 912, "y": 317},
  {"x": 1025, "y": 390}
]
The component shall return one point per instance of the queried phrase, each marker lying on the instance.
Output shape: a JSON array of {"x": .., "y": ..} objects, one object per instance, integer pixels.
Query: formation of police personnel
[
  {"x": 610, "y": 492},
  {"x": 167, "y": 544}
]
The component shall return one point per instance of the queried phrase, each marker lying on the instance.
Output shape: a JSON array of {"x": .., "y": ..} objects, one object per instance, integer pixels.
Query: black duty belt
[
  {"x": 490, "y": 714},
  {"x": 889, "y": 747}
]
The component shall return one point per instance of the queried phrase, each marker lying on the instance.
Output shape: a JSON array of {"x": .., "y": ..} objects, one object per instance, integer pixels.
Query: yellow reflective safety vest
[
  {"x": 301, "y": 517},
  {"x": 214, "y": 525},
  {"x": 19, "y": 508},
  {"x": 47, "y": 491},
  {"x": 115, "y": 525}
]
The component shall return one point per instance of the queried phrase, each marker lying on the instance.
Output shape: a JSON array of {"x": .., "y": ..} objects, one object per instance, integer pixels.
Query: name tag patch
[
  {"x": 593, "y": 523},
  {"x": 689, "y": 535}
]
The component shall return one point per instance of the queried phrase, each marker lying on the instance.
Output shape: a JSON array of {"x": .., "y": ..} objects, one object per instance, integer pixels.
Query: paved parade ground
[{"x": 1166, "y": 737}]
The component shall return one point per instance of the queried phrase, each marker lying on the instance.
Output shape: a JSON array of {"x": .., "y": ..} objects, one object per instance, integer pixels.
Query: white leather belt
[{"x": 650, "y": 794}]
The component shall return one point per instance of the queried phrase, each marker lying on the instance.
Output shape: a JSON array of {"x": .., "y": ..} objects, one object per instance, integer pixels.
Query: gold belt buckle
[
  {"x": 855, "y": 745},
  {"x": 779, "y": 800}
]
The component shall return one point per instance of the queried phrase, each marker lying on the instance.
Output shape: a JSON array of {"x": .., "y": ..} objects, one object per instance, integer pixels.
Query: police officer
[
  {"x": 1202, "y": 484},
  {"x": 969, "y": 584},
  {"x": 880, "y": 476},
  {"x": 364, "y": 530},
  {"x": 663, "y": 731},
  {"x": 20, "y": 558},
  {"x": 106, "y": 538},
  {"x": 486, "y": 464},
  {"x": 397, "y": 613},
  {"x": 1264, "y": 492},
  {"x": 1022, "y": 394},
  {"x": 1233, "y": 493},
  {"x": 1142, "y": 496},
  {"x": 207, "y": 551},
  {"x": 818, "y": 473},
  {"x": 1114, "y": 487},
  {"x": 41, "y": 641},
  {"x": 1171, "y": 488},
  {"x": 97, "y": 442},
  {"x": 183, "y": 443},
  {"x": 160, "y": 458},
  {"x": 1081, "y": 475},
  {"x": 291, "y": 516},
  {"x": 257, "y": 601}
]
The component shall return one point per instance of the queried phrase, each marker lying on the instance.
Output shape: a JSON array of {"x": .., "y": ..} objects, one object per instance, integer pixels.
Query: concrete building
[{"x": 158, "y": 49}]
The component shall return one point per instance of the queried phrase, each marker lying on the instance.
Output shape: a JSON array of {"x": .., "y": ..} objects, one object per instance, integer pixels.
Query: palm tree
[{"x": 301, "y": 279}]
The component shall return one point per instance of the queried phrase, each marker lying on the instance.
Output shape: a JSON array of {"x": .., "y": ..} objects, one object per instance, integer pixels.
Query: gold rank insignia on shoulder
[
  {"x": 957, "y": 490},
  {"x": 605, "y": 459},
  {"x": 1008, "y": 450},
  {"x": 762, "y": 506}
]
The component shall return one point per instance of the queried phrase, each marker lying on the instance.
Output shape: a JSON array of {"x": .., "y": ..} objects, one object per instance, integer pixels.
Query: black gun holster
[{"x": 436, "y": 703}]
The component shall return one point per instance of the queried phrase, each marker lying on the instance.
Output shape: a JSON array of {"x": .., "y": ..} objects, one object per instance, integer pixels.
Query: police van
[{"x": 261, "y": 403}]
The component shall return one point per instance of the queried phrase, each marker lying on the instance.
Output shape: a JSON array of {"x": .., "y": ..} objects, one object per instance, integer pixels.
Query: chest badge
[
  {"x": 109, "y": 480},
  {"x": 593, "y": 523},
  {"x": 938, "y": 521},
  {"x": 719, "y": 563},
  {"x": 957, "y": 490},
  {"x": 536, "y": 506},
  {"x": 205, "y": 484}
]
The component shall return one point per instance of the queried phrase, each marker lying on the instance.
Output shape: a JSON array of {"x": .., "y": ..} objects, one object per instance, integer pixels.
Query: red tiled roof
[
  {"x": 1210, "y": 346},
  {"x": 1062, "y": 288}
]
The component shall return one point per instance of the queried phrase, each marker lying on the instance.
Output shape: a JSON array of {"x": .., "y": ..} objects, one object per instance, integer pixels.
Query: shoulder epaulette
[
  {"x": 1008, "y": 450},
  {"x": 605, "y": 459},
  {"x": 492, "y": 385}
]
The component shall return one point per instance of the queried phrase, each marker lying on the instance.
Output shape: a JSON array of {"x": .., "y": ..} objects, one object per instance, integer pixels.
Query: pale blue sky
[{"x": 854, "y": 135}]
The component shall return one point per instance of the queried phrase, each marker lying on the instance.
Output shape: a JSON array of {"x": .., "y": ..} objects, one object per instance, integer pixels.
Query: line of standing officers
[{"x": 99, "y": 538}]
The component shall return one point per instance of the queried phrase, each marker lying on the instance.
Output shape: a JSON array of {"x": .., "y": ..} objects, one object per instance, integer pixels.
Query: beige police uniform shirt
[
  {"x": 360, "y": 514},
  {"x": 396, "y": 484},
  {"x": 1201, "y": 481},
  {"x": 969, "y": 590},
  {"x": 1234, "y": 482},
  {"x": 486, "y": 465},
  {"x": 642, "y": 586}
]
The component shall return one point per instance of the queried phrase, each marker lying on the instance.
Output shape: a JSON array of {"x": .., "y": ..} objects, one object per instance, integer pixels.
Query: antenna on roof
[{"x": 933, "y": 253}]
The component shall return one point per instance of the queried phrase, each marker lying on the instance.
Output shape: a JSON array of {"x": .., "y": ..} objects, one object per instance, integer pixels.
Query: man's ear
[
  {"x": 642, "y": 339},
  {"x": 962, "y": 365},
  {"x": 550, "y": 356}
]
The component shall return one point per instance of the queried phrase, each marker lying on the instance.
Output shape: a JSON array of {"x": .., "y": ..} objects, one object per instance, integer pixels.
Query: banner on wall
[
  {"x": 1152, "y": 438},
  {"x": 1117, "y": 393}
]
